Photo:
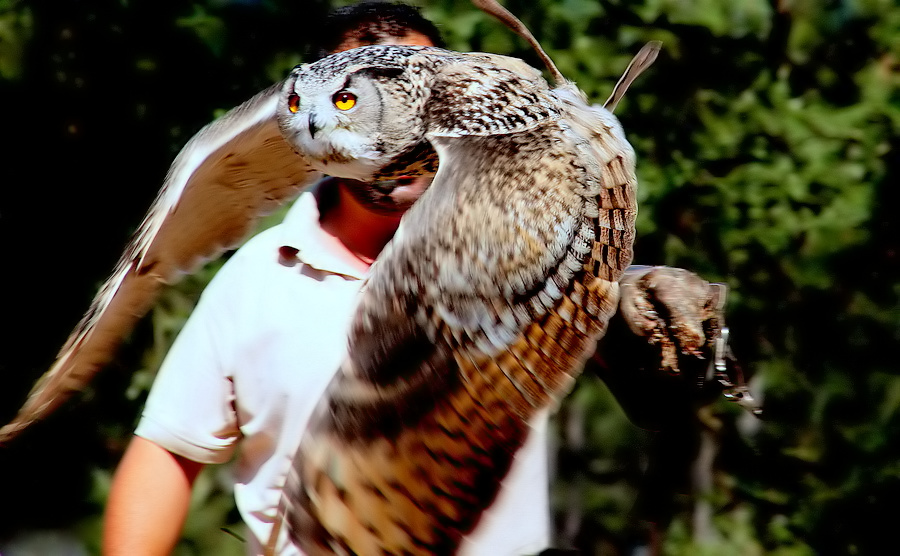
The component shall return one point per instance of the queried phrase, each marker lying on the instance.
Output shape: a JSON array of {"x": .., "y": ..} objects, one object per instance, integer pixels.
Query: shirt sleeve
[{"x": 190, "y": 409}]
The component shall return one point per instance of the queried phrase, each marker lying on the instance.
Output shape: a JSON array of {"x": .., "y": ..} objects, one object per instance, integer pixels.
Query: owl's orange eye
[
  {"x": 294, "y": 103},
  {"x": 344, "y": 100}
]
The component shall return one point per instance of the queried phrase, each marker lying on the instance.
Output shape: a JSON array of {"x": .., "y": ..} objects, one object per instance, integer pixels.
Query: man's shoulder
[
  {"x": 263, "y": 244},
  {"x": 250, "y": 263}
]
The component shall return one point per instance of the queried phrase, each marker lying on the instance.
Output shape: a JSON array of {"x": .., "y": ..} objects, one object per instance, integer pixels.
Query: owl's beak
[{"x": 312, "y": 125}]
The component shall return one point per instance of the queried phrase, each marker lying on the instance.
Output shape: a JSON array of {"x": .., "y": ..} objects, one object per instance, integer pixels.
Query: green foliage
[
  {"x": 15, "y": 31},
  {"x": 766, "y": 136}
]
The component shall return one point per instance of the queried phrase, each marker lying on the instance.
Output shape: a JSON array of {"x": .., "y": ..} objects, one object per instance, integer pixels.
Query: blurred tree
[{"x": 99, "y": 97}]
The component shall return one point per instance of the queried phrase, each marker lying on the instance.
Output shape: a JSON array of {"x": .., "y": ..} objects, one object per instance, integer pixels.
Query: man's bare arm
[{"x": 148, "y": 502}]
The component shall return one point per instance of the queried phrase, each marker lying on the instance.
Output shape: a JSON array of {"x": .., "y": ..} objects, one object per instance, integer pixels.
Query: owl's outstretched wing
[
  {"x": 476, "y": 317},
  {"x": 233, "y": 171}
]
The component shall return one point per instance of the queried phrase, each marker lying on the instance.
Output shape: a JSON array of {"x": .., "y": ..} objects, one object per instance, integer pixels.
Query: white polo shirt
[{"x": 255, "y": 356}]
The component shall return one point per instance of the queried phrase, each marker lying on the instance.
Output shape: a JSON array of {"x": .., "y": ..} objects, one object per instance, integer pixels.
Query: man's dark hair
[{"x": 368, "y": 23}]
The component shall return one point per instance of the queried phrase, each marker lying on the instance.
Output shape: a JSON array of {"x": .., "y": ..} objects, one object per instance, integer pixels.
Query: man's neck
[{"x": 361, "y": 233}]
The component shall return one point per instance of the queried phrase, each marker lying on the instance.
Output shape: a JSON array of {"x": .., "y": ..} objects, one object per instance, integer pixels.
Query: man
[{"x": 262, "y": 344}]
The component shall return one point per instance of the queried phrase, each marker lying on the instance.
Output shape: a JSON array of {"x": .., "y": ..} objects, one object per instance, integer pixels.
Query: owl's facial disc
[
  {"x": 336, "y": 125},
  {"x": 359, "y": 114},
  {"x": 330, "y": 146}
]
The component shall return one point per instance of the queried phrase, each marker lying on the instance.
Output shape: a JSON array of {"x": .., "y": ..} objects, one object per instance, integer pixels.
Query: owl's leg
[
  {"x": 674, "y": 309},
  {"x": 667, "y": 346}
]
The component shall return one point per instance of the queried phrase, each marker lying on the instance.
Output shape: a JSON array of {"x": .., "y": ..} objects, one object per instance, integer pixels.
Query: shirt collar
[{"x": 301, "y": 230}]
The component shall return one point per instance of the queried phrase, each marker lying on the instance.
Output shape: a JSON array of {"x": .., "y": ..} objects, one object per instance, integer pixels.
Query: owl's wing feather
[
  {"x": 231, "y": 172},
  {"x": 476, "y": 318}
]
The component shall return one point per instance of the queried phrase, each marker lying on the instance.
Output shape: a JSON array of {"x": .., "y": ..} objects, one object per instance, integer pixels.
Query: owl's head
[{"x": 360, "y": 114}]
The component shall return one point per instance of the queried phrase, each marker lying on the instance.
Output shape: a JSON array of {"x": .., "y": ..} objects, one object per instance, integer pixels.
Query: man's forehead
[{"x": 411, "y": 38}]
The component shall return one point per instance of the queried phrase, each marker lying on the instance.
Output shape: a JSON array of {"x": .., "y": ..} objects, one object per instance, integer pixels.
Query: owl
[
  {"x": 477, "y": 316},
  {"x": 483, "y": 308}
]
